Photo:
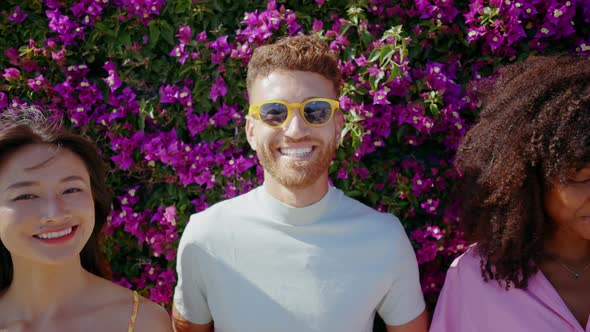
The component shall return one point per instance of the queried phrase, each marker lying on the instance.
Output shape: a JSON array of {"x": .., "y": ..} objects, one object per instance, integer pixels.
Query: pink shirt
[{"x": 467, "y": 303}]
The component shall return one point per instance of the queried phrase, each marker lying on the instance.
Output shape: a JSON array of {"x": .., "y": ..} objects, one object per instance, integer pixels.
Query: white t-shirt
[{"x": 254, "y": 264}]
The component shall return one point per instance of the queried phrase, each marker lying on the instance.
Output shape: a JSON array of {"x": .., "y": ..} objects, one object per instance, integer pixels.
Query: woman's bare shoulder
[{"x": 152, "y": 317}]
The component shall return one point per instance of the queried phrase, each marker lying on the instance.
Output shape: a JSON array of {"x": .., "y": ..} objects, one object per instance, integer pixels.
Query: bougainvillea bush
[{"x": 160, "y": 87}]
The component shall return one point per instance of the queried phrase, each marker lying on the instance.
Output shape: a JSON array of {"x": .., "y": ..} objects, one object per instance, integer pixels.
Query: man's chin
[
  {"x": 297, "y": 183},
  {"x": 299, "y": 166},
  {"x": 296, "y": 176}
]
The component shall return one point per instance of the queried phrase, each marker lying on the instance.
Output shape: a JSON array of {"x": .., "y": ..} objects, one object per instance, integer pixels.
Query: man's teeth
[
  {"x": 296, "y": 152},
  {"x": 54, "y": 234}
]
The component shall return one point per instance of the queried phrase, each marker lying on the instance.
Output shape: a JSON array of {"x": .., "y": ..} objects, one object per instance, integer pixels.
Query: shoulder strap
[{"x": 134, "y": 311}]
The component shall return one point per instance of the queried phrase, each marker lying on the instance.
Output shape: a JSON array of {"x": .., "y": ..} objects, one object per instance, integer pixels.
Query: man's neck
[{"x": 297, "y": 197}]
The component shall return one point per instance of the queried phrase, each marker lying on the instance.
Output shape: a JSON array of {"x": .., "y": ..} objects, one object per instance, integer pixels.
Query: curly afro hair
[{"x": 533, "y": 128}]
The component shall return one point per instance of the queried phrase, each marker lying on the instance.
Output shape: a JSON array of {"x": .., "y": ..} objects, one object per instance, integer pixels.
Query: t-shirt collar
[{"x": 287, "y": 214}]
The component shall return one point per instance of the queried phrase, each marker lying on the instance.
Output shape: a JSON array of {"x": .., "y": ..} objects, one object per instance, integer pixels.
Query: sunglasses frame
[{"x": 254, "y": 111}]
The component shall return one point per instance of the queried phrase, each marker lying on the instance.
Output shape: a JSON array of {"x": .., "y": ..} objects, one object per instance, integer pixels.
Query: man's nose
[{"x": 296, "y": 128}]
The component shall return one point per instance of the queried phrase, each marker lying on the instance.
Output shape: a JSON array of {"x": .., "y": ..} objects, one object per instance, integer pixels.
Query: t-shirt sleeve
[
  {"x": 404, "y": 300},
  {"x": 190, "y": 298}
]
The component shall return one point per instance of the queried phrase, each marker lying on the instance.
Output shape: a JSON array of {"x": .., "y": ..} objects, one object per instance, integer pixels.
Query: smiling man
[{"x": 295, "y": 254}]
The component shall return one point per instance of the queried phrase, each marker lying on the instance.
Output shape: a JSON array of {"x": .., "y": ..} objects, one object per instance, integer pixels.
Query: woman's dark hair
[
  {"x": 28, "y": 125},
  {"x": 534, "y": 127}
]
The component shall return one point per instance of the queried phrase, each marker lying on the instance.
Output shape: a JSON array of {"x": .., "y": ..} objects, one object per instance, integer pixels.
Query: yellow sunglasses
[{"x": 316, "y": 112}]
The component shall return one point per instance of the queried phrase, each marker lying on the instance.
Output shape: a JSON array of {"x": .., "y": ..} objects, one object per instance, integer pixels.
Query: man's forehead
[{"x": 291, "y": 86}]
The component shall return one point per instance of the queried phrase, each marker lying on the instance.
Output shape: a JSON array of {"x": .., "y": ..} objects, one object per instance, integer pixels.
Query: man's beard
[{"x": 298, "y": 174}]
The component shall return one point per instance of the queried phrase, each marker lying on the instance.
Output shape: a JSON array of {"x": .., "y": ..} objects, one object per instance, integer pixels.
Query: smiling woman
[
  {"x": 525, "y": 196},
  {"x": 53, "y": 205}
]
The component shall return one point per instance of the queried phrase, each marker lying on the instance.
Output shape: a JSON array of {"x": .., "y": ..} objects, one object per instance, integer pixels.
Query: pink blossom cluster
[{"x": 502, "y": 24}]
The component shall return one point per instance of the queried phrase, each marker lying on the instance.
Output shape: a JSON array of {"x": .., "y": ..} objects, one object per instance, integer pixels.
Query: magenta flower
[
  {"x": 180, "y": 52},
  {"x": 11, "y": 74},
  {"x": 220, "y": 45},
  {"x": 12, "y": 55},
  {"x": 495, "y": 40},
  {"x": 185, "y": 97},
  {"x": 197, "y": 123},
  {"x": 131, "y": 196},
  {"x": 3, "y": 100},
  {"x": 421, "y": 184},
  {"x": 380, "y": 96},
  {"x": 201, "y": 36},
  {"x": 224, "y": 115},
  {"x": 67, "y": 29},
  {"x": 143, "y": 10},
  {"x": 443, "y": 11},
  {"x": 17, "y": 15},
  {"x": 113, "y": 80},
  {"x": 123, "y": 282},
  {"x": 292, "y": 26},
  {"x": 59, "y": 56},
  {"x": 170, "y": 215},
  {"x": 37, "y": 83},
  {"x": 342, "y": 174},
  {"x": 207, "y": 179},
  {"x": 430, "y": 206},
  {"x": 546, "y": 30},
  {"x": 218, "y": 88},
  {"x": 184, "y": 34},
  {"x": 168, "y": 93},
  {"x": 200, "y": 203},
  {"x": 123, "y": 160},
  {"x": 432, "y": 283},
  {"x": 317, "y": 25},
  {"x": 88, "y": 92},
  {"x": 125, "y": 146}
]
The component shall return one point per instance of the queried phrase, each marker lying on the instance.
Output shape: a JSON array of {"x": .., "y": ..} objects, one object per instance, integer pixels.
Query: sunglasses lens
[
  {"x": 273, "y": 114},
  {"x": 317, "y": 112}
]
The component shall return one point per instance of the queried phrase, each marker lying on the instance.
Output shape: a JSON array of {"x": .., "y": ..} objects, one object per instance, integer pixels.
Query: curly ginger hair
[{"x": 298, "y": 53}]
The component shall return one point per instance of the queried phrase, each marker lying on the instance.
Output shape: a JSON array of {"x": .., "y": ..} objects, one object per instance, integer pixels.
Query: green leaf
[
  {"x": 354, "y": 193},
  {"x": 434, "y": 109},
  {"x": 356, "y": 141},
  {"x": 394, "y": 72},
  {"x": 344, "y": 28},
  {"x": 90, "y": 58},
  {"x": 167, "y": 33},
  {"x": 374, "y": 82},
  {"x": 104, "y": 28},
  {"x": 154, "y": 34},
  {"x": 124, "y": 38},
  {"x": 366, "y": 37},
  {"x": 375, "y": 54},
  {"x": 386, "y": 54}
]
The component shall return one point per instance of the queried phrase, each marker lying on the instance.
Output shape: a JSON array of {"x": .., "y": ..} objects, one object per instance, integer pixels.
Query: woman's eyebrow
[
  {"x": 73, "y": 178},
  {"x": 24, "y": 184}
]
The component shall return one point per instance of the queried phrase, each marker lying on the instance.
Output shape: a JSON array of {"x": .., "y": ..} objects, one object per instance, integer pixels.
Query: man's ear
[{"x": 250, "y": 132}]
